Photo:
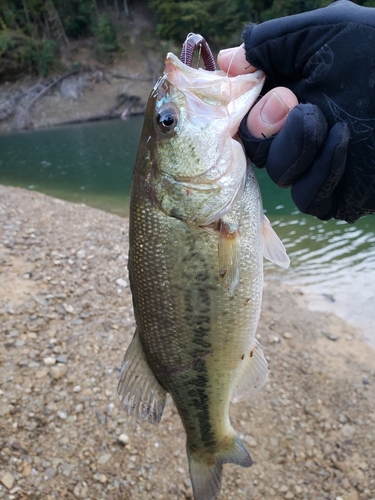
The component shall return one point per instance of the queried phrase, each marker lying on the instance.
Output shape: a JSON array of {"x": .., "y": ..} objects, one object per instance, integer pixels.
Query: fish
[{"x": 197, "y": 238}]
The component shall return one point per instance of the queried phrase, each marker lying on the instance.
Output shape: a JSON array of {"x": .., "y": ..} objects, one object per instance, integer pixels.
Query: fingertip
[
  {"x": 269, "y": 115},
  {"x": 233, "y": 61}
]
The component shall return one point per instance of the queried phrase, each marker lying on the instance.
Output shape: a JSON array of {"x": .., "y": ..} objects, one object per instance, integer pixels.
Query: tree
[{"x": 216, "y": 20}]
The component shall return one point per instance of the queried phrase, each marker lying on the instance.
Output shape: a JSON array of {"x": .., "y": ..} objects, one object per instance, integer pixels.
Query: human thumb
[{"x": 268, "y": 116}]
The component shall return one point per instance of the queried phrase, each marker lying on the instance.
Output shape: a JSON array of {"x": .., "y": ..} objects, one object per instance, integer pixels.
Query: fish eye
[{"x": 167, "y": 120}]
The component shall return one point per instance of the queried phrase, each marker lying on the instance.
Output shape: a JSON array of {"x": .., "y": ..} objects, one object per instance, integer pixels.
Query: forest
[{"x": 33, "y": 33}]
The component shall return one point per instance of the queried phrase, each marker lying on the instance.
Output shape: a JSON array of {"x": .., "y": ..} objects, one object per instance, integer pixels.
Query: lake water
[{"x": 332, "y": 262}]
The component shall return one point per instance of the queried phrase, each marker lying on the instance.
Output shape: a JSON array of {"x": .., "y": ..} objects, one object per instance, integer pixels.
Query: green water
[
  {"x": 332, "y": 262},
  {"x": 90, "y": 163}
]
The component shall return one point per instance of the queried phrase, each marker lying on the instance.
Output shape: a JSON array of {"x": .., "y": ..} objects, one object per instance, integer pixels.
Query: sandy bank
[{"x": 66, "y": 319}]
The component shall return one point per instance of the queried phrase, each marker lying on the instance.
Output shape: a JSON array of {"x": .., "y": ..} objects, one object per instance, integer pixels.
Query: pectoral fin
[
  {"x": 273, "y": 248},
  {"x": 253, "y": 376},
  {"x": 229, "y": 254},
  {"x": 138, "y": 390}
]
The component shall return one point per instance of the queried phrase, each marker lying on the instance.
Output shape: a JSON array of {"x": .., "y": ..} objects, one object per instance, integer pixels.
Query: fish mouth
[
  {"x": 176, "y": 61},
  {"x": 208, "y": 84}
]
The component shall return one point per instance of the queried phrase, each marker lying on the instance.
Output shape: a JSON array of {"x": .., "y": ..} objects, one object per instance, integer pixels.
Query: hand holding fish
[
  {"x": 268, "y": 116},
  {"x": 325, "y": 147}
]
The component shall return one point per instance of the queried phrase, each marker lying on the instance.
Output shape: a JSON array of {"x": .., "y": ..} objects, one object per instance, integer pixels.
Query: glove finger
[
  {"x": 314, "y": 191},
  {"x": 295, "y": 147},
  {"x": 289, "y": 153},
  {"x": 299, "y": 36},
  {"x": 255, "y": 148}
]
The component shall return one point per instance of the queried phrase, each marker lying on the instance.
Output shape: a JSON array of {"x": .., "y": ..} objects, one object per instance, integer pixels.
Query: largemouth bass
[{"x": 197, "y": 241}]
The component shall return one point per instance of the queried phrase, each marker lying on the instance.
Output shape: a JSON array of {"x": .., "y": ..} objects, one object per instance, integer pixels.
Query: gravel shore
[{"x": 66, "y": 320}]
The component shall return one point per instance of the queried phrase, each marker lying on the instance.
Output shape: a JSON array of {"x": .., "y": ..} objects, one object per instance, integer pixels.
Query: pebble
[
  {"x": 62, "y": 358},
  {"x": 80, "y": 490},
  {"x": 274, "y": 442},
  {"x": 347, "y": 431},
  {"x": 66, "y": 469},
  {"x": 57, "y": 371},
  {"x": 81, "y": 254},
  {"x": 121, "y": 282},
  {"x": 332, "y": 337},
  {"x": 102, "y": 478},
  {"x": 7, "y": 480},
  {"x": 251, "y": 441},
  {"x": 309, "y": 442},
  {"x": 123, "y": 439},
  {"x": 77, "y": 388},
  {"x": 50, "y": 473},
  {"x": 287, "y": 335},
  {"x": 68, "y": 308},
  {"x": 103, "y": 459},
  {"x": 41, "y": 374},
  {"x": 49, "y": 361},
  {"x": 26, "y": 471}
]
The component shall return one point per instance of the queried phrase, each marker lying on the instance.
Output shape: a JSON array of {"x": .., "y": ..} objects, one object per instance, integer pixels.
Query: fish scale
[{"x": 196, "y": 317}]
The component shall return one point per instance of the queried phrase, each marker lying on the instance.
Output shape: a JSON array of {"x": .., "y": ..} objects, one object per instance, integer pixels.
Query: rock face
[
  {"x": 95, "y": 92},
  {"x": 64, "y": 327}
]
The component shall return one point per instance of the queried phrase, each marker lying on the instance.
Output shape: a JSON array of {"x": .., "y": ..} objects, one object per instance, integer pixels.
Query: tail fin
[{"x": 206, "y": 474}]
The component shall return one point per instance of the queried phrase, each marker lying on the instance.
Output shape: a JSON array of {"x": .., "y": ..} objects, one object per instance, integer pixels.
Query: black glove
[{"x": 326, "y": 149}]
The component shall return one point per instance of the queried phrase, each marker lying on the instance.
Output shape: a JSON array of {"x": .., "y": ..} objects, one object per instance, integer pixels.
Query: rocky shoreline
[
  {"x": 66, "y": 320},
  {"x": 82, "y": 97},
  {"x": 88, "y": 91}
]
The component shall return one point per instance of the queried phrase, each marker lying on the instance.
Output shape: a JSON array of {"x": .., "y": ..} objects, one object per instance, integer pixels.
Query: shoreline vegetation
[
  {"x": 88, "y": 87},
  {"x": 66, "y": 320},
  {"x": 71, "y": 61}
]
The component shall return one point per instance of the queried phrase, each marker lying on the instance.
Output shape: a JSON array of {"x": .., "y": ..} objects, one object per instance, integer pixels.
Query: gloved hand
[{"x": 326, "y": 149}]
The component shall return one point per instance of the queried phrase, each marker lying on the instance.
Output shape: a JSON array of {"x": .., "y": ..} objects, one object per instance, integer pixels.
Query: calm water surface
[{"x": 332, "y": 262}]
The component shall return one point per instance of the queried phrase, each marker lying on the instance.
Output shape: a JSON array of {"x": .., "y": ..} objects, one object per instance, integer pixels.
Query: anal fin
[
  {"x": 138, "y": 390},
  {"x": 253, "y": 376}
]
